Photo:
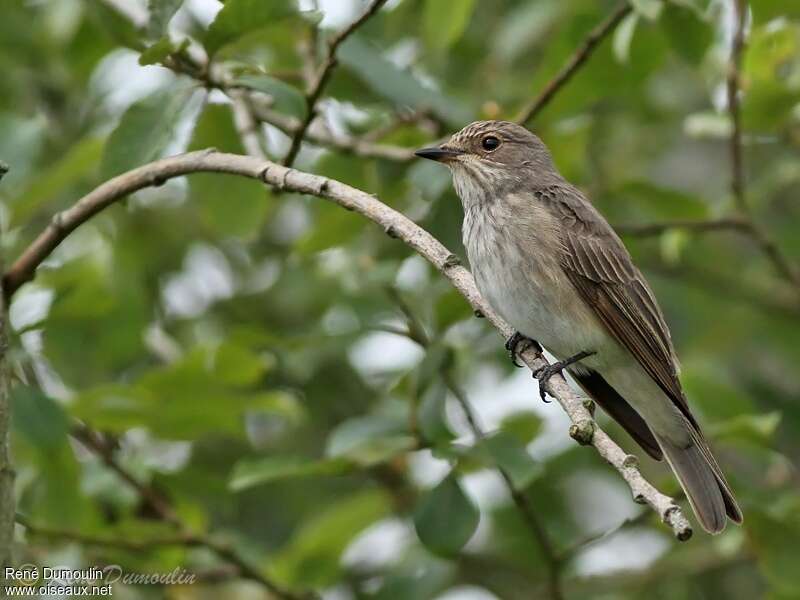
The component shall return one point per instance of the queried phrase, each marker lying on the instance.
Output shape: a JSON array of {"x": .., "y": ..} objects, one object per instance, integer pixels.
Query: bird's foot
[
  {"x": 544, "y": 373},
  {"x": 517, "y": 344}
]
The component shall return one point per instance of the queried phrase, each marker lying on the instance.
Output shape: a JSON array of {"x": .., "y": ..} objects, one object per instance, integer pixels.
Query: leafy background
[{"x": 239, "y": 349}]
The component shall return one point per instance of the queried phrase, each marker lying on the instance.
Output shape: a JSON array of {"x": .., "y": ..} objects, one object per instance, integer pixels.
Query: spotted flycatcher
[{"x": 549, "y": 263}]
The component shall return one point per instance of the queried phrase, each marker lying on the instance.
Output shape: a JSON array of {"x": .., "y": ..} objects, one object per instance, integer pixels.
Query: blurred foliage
[{"x": 231, "y": 342}]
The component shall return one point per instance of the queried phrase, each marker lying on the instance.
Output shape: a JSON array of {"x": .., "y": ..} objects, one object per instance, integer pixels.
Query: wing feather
[{"x": 600, "y": 268}]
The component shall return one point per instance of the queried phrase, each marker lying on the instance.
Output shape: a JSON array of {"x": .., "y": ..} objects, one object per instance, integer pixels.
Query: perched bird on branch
[{"x": 549, "y": 263}]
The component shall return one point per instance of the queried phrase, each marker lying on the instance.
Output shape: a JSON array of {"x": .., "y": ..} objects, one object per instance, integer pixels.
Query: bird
[{"x": 549, "y": 263}]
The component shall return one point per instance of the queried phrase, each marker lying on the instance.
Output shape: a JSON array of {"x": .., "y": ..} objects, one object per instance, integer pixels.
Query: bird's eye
[{"x": 490, "y": 143}]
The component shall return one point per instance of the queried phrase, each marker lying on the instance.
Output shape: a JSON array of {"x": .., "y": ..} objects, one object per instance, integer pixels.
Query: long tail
[{"x": 701, "y": 478}]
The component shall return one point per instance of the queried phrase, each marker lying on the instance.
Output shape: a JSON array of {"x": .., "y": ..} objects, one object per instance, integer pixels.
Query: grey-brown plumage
[{"x": 549, "y": 263}]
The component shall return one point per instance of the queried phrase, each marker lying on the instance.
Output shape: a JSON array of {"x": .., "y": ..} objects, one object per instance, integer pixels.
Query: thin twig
[
  {"x": 162, "y": 509},
  {"x": 152, "y": 498},
  {"x": 760, "y": 236},
  {"x": 416, "y": 332},
  {"x": 734, "y": 86},
  {"x": 648, "y": 229},
  {"x": 770, "y": 248},
  {"x": 186, "y": 539},
  {"x": 744, "y": 225},
  {"x": 520, "y": 500},
  {"x": 691, "y": 565},
  {"x": 584, "y": 429},
  {"x": 185, "y": 64},
  {"x": 578, "y": 58},
  {"x": 321, "y": 136},
  {"x": 7, "y": 474},
  {"x": 121, "y": 542},
  {"x": 780, "y": 300},
  {"x": 324, "y": 74},
  {"x": 246, "y": 125},
  {"x": 590, "y": 540}
]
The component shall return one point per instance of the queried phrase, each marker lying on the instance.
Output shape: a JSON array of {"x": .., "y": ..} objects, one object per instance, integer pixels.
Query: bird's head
[{"x": 488, "y": 156}]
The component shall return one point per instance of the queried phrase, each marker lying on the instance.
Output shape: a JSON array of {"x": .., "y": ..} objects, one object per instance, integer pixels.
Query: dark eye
[{"x": 490, "y": 143}]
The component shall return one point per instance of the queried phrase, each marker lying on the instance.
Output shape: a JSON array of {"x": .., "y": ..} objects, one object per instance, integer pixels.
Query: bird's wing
[{"x": 600, "y": 268}]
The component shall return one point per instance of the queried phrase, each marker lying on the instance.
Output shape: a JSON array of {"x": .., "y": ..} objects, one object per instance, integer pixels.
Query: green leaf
[
  {"x": 314, "y": 552},
  {"x": 115, "y": 24},
  {"x": 183, "y": 400},
  {"x": 524, "y": 426},
  {"x": 756, "y": 428},
  {"x": 708, "y": 125},
  {"x": 445, "y": 518},
  {"x": 766, "y": 10},
  {"x": 78, "y": 164},
  {"x": 286, "y": 98},
  {"x": 45, "y": 425},
  {"x": 450, "y": 308},
  {"x": 444, "y": 22},
  {"x": 511, "y": 456},
  {"x": 672, "y": 243},
  {"x": 98, "y": 308},
  {"x": 237, "y": 365},
  {"x": 429, "y": 179},
  {"x": 145, "y": 130},
  {"x": 156, "y": 53},
  {"x": 395, "y": 84},
  {"x": 432, "y": 416},
  {"x": 239, "y": 17},
  {"x": 332, "y": 227},
  {"x": 623, "y": 36},
  {"x": 369, "y": 440},
  {"x": 771, "y": 76},
  {"x": 657, "y": 201},
  {"x": 39, "y": 418},
  {"x": 229, "y": 205},
  {"x": 649, "y": 9},
  {"x": 161, "y": 12},
  {"x": 437, "y": 357},
  {"x": 706, "y": 387},
  {"x": 249, "y": 473},
  {"x": 688, "y": 33},
  {"x": 775, "y": 541}
]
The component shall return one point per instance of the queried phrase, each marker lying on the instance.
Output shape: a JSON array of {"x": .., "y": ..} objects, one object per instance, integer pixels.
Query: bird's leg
[
  {"x": 544, "y": 373},
  {"x": 517, "y": 344}
]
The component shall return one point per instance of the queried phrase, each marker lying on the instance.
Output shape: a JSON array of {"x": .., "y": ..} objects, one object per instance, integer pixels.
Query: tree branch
[
  {"x": 578, "y": 58},
  {"x": 584, "y": 429},
  {"x": 324, "y": 74}
]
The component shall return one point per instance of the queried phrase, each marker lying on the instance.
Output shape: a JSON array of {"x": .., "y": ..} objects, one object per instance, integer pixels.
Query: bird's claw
[
  {"x": 517, "y": 344},
  {"x": 543, "y": 374}
]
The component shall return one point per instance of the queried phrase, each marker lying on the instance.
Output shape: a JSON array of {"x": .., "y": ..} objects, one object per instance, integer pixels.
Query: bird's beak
[{"x": 440, "y": 154}]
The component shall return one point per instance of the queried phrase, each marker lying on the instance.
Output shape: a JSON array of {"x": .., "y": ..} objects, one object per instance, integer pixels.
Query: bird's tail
[{"x": 701, "y": 478}]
